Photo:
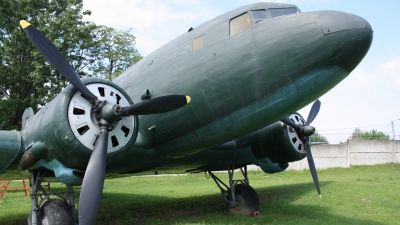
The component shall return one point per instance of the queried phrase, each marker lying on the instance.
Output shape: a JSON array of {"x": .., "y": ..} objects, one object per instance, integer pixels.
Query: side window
[
  {"x": 259, "y": 15},
  {"x": 239, "y": 24},
  {"x": 280, "y": 12},
  {"x": 198, "y": 43}
]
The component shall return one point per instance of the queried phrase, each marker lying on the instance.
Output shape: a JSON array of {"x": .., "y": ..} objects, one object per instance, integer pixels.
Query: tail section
[{"x": 28, "y": 114}]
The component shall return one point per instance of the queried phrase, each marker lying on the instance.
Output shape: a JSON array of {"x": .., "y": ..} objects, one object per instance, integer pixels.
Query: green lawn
[{"x": 358, "y": 195}]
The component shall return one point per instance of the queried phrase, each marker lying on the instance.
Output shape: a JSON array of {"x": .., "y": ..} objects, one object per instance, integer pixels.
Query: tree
[
  {"x": 374, "y": 134},
  {"x": 318, "y": 138},
  {"x": 27, "y": 79},
  {"x": 116, "y": 50}
]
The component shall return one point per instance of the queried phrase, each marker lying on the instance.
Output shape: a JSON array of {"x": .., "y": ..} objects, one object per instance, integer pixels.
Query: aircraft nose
[
  {"x": 350, "y": 37},
  {"x": 335, "y": 21}
]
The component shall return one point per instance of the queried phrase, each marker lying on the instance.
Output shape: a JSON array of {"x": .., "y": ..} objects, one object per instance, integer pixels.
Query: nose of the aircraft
[
  {"x": 335, "y": 21},
  {"x": 349, "y": 36}
]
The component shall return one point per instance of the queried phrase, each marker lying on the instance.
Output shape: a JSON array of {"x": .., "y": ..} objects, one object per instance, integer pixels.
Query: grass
[{"x": 358, "y": 195}]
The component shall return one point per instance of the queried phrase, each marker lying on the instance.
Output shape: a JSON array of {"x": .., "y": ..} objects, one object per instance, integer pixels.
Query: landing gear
[
  {"x": 50, "y": 208},
  {"x": 247, "y": 199},
  {"x": 239, "y": 195}
]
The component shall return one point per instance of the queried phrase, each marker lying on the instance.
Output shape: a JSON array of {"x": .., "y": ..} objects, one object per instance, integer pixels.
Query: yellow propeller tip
[
  {"x": 24, "y": 23},
  {"x": 320, "y": 196},
  {"x": 188, "y": 99}
]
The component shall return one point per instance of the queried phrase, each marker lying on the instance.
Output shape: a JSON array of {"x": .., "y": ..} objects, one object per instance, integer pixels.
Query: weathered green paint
[
  {"x": 273, "y": 142},
  {"x": 242, "y": 83},
  {"x": 270, "y": 167},
  {"x": 39, "y": 150},
  {"x": 238, "y": 84},
  {"x": 51, "y": 128},
  {"x": 10, "y": 146}
]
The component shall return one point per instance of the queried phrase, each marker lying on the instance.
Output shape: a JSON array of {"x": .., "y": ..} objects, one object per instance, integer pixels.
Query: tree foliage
[
  {"x": 116, "y": 50},
  {"x": 374, "y": 134},
  {"x": 318, "y": 138},
  {"x": 26, "y": 79}
]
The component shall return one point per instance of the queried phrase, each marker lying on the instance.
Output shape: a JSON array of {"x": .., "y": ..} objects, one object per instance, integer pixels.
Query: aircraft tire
[
  {"x": 56, "y": 211},
  {"x": 248, "y": 200}
]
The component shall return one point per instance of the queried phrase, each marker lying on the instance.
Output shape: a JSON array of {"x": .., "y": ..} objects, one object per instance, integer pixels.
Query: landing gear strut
[
  {"x": 239, "y": 195},
  {"x": 50, "y": 208}
]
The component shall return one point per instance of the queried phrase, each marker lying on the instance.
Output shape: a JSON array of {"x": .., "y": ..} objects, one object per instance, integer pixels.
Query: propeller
[
  {"x": 313, "y": 112},
  {"x": 54, "y": 56},
  {"x": 93, "y": 182},
  {"x": 106, "y": 113},
  {"x": 304, "y": 133},
  {"x": 290, "y": 123},
  {"x": 158, "y": 105}
]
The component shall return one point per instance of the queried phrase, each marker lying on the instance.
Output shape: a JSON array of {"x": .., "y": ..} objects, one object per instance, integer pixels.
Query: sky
[{"x": 368, "y": 98}]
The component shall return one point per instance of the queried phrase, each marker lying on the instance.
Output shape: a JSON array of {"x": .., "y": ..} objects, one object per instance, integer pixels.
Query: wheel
[
  {"x": 247, "y": 199},
  {"x": 56, "y": 211}
]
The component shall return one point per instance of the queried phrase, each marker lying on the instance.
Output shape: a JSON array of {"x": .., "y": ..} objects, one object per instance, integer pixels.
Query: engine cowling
[
  {"x": 66, "y": 129},
  {"x": 278, "y": 142}
]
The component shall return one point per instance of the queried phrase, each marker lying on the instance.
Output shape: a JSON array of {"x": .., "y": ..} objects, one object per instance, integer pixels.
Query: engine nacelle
[
  {"x": 66, "y": 129},
  {"x": 278, "y": 142}
]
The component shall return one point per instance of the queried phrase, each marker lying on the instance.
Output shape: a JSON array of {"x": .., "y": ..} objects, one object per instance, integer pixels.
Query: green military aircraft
[{"x": 247, "y": 72}]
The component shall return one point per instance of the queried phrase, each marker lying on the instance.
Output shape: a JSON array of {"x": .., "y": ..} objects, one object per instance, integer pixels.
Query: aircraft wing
[{"x": 10, "y": 153}]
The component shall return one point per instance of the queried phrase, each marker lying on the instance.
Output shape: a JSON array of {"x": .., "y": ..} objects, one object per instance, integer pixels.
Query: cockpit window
[
  {"x": 239, "y": 24},
  {"x": 280, "y": 12},
  {"x": 259, "y": 15}
]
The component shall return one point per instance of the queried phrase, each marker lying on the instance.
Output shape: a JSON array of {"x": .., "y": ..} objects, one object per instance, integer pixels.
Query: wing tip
[{"x": 24, "y": 24}]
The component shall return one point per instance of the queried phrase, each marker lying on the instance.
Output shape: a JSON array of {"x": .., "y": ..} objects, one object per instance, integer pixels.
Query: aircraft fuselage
[
  {"x": 244, "y": 70},
  {"x": 243, "y": 82}
]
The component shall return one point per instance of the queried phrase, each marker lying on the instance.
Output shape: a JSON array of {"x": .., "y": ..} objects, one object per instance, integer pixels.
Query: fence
[{"x": 354, "y": 152}]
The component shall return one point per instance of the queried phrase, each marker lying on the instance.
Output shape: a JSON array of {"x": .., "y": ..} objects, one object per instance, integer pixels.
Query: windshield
[
  {"x": 259, "y": 15},
  {"x": 280, "y": 12}
]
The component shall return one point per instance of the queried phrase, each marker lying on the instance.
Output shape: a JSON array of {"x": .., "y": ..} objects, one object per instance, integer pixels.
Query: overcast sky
[{"x": 368, "y": 98}]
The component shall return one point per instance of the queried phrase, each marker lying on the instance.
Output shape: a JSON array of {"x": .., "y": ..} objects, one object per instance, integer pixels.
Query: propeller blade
[
  {"x": 54, "y": 56},
  {"x": 93, "y": 182},
  {"x": 157, "y": 105},
  {"x": 313, "y": 112},
  {"x": 311, "y": 164},
  {"x": 290, "y": 123}
]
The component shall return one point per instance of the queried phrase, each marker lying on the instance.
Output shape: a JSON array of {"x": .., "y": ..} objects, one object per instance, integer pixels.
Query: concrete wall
[
  {"x": 396, "y": 151},
  {"x": 354, "y": 152}
]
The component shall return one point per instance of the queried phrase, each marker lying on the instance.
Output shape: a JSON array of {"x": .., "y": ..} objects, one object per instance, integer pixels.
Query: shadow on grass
[{"x": 277, "y": 206}]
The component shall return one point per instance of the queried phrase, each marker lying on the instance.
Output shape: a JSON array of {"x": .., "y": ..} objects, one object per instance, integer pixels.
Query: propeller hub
[
  {"x": 295, "y": 136},
  {"x": 111, "y": 112},
  {"x": 308, "y": 131}
]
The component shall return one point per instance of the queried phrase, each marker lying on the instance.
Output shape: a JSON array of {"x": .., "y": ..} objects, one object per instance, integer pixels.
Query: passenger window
[
  {"x": 259, "y": 15},
  {"x": 239, "y": 24},
  {"x": 280, "y": 12},
  {"x": 198, "y": 43}
]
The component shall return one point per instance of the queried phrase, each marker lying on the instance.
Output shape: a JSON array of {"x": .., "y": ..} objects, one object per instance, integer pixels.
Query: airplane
[{"x": 247, "y": 72}]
